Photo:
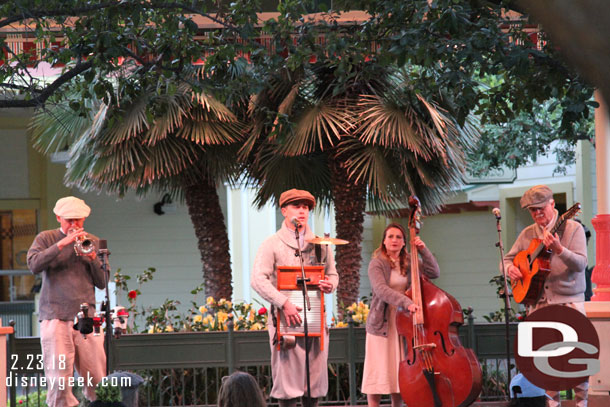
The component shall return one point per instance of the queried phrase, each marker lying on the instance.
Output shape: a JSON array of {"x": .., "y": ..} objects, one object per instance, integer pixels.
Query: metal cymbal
[{"x": 328, "y": 240}]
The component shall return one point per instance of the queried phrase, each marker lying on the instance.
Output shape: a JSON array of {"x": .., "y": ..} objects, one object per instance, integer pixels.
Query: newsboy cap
[
  {"x": 294, "y": 195},
  {"x": 71, "y": 207},
  {"x": 537, "y": 195}
]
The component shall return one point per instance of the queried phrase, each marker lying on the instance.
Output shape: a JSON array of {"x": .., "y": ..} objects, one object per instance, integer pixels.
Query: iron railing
[{"x": 186, "y": 368}]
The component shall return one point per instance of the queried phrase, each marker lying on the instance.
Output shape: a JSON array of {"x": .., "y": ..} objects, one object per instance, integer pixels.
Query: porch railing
[{"x": 186, "y": 368}]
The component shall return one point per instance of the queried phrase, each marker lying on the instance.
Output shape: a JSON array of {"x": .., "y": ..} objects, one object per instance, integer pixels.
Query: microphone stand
[
  {"x": 104, "y": 253},
  {"x": 306, "y": 307},
  {"x": 500, "y": 246}
]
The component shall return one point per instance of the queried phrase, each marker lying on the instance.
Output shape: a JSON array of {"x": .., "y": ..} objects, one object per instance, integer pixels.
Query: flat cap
[
  {"x": 294, "y": 195},
  {"x": 71, "y": 207},
  {"x": 537, "y": 195}
]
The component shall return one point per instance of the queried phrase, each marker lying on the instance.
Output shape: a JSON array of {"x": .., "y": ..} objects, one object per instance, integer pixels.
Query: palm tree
[
  {"x": 177, "y": 141},
  {"x": 375, "y": 141}
]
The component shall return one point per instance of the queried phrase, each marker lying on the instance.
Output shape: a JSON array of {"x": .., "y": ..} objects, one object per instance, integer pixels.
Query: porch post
[
  {"x": 601, "y": 222},
  {"x": 598, "y": 309}
]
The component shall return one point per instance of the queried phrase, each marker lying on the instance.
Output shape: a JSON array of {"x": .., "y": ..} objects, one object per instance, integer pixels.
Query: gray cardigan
[
  {"x": 67, "y": 279},
  {"x": 566, "y": 281},
  {"x": 379, "y": 275}
]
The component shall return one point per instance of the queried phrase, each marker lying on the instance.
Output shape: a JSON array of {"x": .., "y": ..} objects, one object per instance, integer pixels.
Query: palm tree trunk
[
  {"x": 212, "y": 239},
  {"x": 350, "y": 203}
]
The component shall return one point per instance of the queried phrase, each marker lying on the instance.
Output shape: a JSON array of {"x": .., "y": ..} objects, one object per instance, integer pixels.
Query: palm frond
[
  {"x": 319, "y": 127},
  {"x": 281, "y": 173},
  {"x": 389, "y": 125},
  {"x": 54, "y": 127}
]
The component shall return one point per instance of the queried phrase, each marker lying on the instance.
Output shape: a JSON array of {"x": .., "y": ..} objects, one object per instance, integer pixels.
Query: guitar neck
[{"x": 560, "y": 221}]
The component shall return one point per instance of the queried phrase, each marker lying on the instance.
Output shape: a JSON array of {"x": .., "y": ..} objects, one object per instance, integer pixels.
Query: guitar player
[{"x": 565, "y": 284}]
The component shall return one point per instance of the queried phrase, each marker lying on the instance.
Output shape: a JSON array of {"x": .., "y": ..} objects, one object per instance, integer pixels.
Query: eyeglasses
[{"x": 534, "y": 210}]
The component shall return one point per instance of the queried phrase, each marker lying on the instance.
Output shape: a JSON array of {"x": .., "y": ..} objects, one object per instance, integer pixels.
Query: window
[{"x": 18, "y": 228}]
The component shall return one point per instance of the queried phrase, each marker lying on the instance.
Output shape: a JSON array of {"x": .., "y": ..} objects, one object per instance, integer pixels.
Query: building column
[
  {"x": 601, "y": 222},
  {"x": 598, "y": 309}
]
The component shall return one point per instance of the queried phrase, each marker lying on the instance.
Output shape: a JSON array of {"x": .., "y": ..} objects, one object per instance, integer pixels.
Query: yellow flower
[
  {"x": 222, "y": 301},
  {"x": 169, "y": 328},
  {"x": 240, "y": 318},
  {"x": 229, "y": 304},
  {"x": 151, "y": 329},
  {"x": 357, "y": 318},
  {"x": 342, "y": 325},
  {"x": 203, "y": 309},
  {"x": 222, "y": 316},
  {"x": 197, "y": 318},
  {"x": 210, "y": 300},
  {"x": 256, "y": 327}
]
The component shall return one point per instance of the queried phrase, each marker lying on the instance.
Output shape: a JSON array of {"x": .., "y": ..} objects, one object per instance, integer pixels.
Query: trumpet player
[{"x": 70, "y": 269}]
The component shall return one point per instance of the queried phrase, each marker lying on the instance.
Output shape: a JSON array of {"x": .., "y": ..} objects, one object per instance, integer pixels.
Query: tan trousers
[{"x": 64, "y": 348}]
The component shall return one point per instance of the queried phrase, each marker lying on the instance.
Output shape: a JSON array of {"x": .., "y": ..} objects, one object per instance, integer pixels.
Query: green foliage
[
  {"x": 106, "y": 392},
  {"x": 500, "y": 315},
  {"x": 494, "y": 383},
  {"x": 452, "y": 46},
  {"x": 214, "y": 315},
  {"x": 32, "y": 399},
  {"x": 121, "y": 281},
  {"x": 526, "y": 138},
  {"x": 357, "y": 312}
]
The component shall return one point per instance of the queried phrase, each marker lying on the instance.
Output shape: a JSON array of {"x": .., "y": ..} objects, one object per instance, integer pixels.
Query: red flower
[
  {"x": 520, "y": 317},
  {"x": 20, "y": 401},
  {"x": 132, "y": 294},
  {"x": 262, "y": 311}
]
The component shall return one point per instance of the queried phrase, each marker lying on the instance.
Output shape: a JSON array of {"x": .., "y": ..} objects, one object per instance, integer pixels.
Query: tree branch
[
  {"x": 72, "y": 12},
  {"x": 46, "y": 92}
]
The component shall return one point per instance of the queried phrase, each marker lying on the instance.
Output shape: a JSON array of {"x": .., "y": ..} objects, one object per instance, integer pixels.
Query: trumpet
[{"x": 82, "y": 245}]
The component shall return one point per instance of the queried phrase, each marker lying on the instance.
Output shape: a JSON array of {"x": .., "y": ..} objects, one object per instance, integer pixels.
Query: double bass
[{"x": 437, "y": 371}]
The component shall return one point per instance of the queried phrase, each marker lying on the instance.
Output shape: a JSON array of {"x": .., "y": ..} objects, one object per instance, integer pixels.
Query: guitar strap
[{"x": 562, "y": 229}]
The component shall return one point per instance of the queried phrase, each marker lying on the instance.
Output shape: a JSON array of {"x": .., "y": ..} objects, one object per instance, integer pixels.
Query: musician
[
  {"x": 68, "y": 280},
  {"x": 288, "y": 365},
  {"x": 565, "y": 283},
  {"x": 389, "y": 273}
]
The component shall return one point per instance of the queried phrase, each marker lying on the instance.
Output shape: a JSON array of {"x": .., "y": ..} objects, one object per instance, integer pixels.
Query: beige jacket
[{"x": 279, "y": 250}]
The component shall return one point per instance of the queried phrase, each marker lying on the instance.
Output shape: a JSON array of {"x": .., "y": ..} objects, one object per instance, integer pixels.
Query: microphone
[
  {"x": 296, "y": 222},
  {"x": 496, "y": 212}
]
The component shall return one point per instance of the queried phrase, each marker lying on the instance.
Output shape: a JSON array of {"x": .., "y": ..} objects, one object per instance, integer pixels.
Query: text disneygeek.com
[{"x": 15, "y": 379}]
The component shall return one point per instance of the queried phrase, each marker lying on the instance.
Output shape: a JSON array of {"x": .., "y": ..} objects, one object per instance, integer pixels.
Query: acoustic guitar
[{"x": 534, "y": 264}]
